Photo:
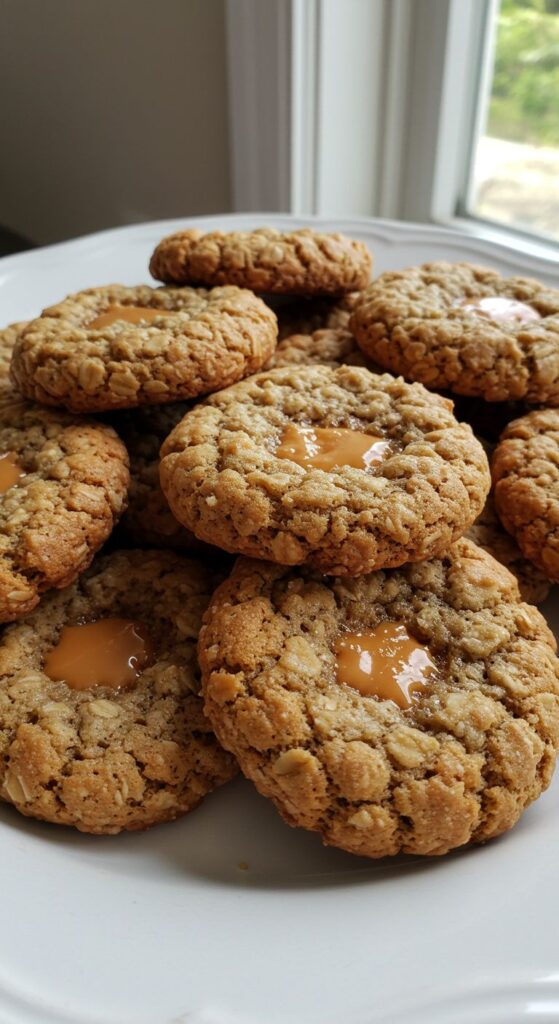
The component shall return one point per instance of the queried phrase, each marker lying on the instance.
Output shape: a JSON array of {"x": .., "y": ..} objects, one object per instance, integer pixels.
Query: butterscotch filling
[
  {"x": 131, "y": 314},
  {"x": 497, "y": 307},
  {"x": 10, "y": 471},
  {"x": 109, "y": 652},
  {"x": 385, "y": 662},
  {"x": 327, "y": 447}
]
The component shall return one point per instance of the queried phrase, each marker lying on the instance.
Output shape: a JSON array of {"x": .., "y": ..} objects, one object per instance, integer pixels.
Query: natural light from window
[{"x": 515, "y": 179}]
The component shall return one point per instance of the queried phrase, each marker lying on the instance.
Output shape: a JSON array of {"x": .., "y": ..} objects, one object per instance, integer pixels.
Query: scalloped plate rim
[
  {"x": 399, "y": 232},
  {"x": 493, "y": 1000}
]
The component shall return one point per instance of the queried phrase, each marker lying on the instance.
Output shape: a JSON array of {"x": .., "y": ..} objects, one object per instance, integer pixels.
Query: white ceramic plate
[{"x": 167, "y": 927}]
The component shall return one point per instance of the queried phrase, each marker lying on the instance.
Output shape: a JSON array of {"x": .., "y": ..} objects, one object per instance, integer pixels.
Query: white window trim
[
  {"x": 479, "y": 115},
  {"x": 358, "y": 108},
  {"x": 259, "y": 54}
]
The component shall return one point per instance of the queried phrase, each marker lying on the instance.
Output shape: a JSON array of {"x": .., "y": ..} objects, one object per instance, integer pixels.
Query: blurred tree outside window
[{"x": 516, "y": 163}]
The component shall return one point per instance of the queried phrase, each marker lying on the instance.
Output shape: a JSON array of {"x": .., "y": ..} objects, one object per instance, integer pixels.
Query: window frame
[{"x": 402, "y": 149}]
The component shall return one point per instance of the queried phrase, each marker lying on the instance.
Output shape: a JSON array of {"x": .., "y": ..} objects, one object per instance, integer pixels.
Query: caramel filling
[
  {"x": 10, "y": 471},
  {"x": 109, "y": 652},
  {"x": 386, "y": 662},
  {"x": 131, "y": 314},
  {"x": 327, "y": 447},
  {"x": 497, "y": 307}
]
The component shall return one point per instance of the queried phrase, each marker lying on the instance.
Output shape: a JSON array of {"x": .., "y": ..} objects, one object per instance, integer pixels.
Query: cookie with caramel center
[
  {"x": 412, "y": 710},
  {"x": 101, "y": 722},
  {"x": 118, "y": 347},
  {"x": 464, "y": 329},
  {"x": 255, "y": 470}
]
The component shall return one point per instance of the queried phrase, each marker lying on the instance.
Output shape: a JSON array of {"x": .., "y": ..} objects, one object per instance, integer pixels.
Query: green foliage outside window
[{"x": 524, "y": 104}]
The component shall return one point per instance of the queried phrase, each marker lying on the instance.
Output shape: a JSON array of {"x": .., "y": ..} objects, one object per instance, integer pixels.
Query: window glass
[{"x": 515, "y": 177}]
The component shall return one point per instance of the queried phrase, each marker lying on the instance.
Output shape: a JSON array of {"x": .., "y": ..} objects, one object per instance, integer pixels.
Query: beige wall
[{"x": 112, "y": 111}]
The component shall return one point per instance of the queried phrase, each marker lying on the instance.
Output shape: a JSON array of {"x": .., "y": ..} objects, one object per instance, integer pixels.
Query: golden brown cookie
[
  {"x": 330, "y": 347},
  {"x": 302, "y": 262},
  {"x": 462, "y": 758},
  {"x": 465, "y": 329},
  {"x": 103, "y": 758},
  {"x": 8, "y": 337},
  {"x": 230, "y": 475},
  {"x": 525, "y": 469},
  {"x": 148, "y": 520},
  {"x": 86, "y": 354},
  {"x": 63, "y": 486},
  {"x": 305, "y": 316},
  {"x": 489, "y": 534}
]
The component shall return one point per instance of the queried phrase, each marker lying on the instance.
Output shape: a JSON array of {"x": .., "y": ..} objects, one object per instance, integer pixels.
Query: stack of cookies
[{"x": 369, "y": 660}]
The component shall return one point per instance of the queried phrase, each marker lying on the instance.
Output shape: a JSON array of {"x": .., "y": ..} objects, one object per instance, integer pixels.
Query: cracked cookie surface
[
  {"x": 525, "y": 470},
  {"x": 302, "y": 262},
  {"x": 460, "y": 765},
  {"x": 223, "y": 478},
  {"x": 105, "y": 760},
  {"x": 62, "y": 508},
  {"x": 203, "y": 341},
  {"x": 413, "y": 322}
]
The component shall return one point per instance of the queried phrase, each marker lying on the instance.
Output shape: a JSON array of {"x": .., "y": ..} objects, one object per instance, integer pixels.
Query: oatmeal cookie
[
  {"x": 525, "y": 469},
  {"x": 465, "y": 329},
  {"x": 302, "y": 262},
  {"x": 88, "y": 355},
  {"x": 489, "y": 534},
  {"x": 305, "y": 316},
  {"x": 102, "y": 758},
  {"x": 8, "y": 337},
  {"x": 63, "y": 486},
  {"x": 148, "y": 520},
  {"x": 458, "y": 764},
  {"x": 230, "y": 476},
  {"x": 330, "y": 347}
]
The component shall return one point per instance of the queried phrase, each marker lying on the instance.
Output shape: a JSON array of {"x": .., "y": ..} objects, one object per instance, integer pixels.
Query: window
[
  {"x": 514, "y": 177},
  {"x": 435, "y": 111}
]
